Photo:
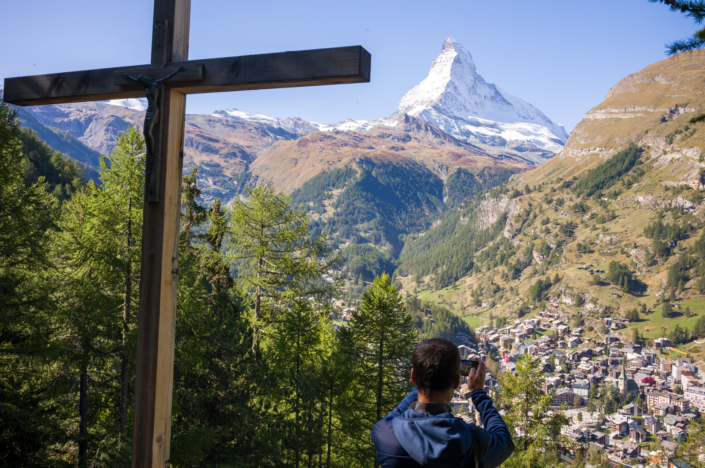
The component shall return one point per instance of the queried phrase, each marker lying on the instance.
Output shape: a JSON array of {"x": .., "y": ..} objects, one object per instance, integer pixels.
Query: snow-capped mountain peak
[
  {"x": 453, "y": 65},
  {"x": 138, "y": 104},
  {"x": 457, "y": 99}
]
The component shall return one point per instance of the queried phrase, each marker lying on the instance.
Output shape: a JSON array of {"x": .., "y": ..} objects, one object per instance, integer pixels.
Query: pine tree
[
  {"x": 537, "y": 431},
  {"x": 666, "y": 310},
  {"x": 379, "y": 342},
  {"x": 97, "y": 251},
  {"x": 297, "y": 345},
  {"x": 274, "y": 252},
  {"x": 192, "y": 212},
  {"x": 120, "y": 202},
  {"x": 694, "y": 9},
  {"x": 220, "y": 381},
  {"x": 30, "y": 416}
]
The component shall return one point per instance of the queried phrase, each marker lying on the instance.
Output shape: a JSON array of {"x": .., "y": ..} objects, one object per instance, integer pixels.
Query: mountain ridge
[{"x": 225, "y": 143}]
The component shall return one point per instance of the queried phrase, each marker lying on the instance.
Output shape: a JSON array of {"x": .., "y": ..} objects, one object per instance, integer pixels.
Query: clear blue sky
[{"x": 560, "y": 55}]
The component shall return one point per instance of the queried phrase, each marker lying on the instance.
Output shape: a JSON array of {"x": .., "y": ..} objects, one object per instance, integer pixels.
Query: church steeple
[{"x": 622, "y": 382}]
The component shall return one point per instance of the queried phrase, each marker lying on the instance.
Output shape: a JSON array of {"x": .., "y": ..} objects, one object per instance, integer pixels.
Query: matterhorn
[{"x": 457, "y": 99}]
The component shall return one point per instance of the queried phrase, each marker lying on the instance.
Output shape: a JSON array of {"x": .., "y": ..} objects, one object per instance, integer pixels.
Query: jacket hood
[{"x": 439, "y": 441}]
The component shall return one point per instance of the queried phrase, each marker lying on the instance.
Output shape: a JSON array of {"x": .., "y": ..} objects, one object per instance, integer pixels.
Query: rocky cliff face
[{"x": 652, "y": 108}]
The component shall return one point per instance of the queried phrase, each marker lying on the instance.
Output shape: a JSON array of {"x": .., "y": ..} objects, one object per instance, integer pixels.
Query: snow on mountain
[
  {"x": 138, "y": 104},
  {"x": 293, "y": 125},
  {"x": 458, "y": 100}
]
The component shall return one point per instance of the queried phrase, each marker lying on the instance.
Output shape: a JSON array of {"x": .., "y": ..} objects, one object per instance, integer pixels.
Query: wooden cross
[{"x": 162, "y": 208}]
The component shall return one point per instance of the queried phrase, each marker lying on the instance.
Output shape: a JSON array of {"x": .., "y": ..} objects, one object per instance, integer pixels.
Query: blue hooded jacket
[{"x": 418, "y": 434}]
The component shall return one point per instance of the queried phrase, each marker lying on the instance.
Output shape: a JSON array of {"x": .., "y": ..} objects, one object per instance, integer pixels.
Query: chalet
[
  {"x": 550, "y": 383},
  {"x": 634, "y": 361},
  {"x": 631, "y": 450},
  {"x": 573, "y": 342},
  {"x": 662, "y": 343},
  {"x": 631, "y": 410},
  {"x": 673, "y": 421},
  {"x": 610, "y": 339},
  {"x": 563, "y": 396},
  {"x": 664, "y": 436},
  {"x": 619, "y": 423},
  {"x": 581, "y": 388},
  {"x": 464, "y": 351},
  {"x": 649, "y": 356},
  {"x": 637, "y": 434},
  {"x": 652, "y": 424},
  {"x": 599, "y": 438},
  {"x": 662, "y": 409}
]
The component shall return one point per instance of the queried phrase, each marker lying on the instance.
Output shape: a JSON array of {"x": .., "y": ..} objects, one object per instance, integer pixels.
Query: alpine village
[{"x": 313, "y": 257}]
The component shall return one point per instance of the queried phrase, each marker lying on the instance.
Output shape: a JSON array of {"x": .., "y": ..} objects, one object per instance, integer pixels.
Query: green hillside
[{"x": 370, "y": 208}]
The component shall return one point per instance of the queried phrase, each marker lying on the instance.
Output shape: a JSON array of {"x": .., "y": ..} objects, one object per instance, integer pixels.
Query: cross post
[{"x": 162, "y": 208}]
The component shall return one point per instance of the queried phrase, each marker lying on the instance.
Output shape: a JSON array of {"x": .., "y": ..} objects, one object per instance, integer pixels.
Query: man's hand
[{"x": 476, "y": 377}]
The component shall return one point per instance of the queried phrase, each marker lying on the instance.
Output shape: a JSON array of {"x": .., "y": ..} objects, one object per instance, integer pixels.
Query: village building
[
  {"x": 627, "y": 386},
  {"x": 652, "y": 424},
  {"x": 563, "y": 396},
  {"x": 695, "y": 396},
  {"x": 637, "y": 434}
]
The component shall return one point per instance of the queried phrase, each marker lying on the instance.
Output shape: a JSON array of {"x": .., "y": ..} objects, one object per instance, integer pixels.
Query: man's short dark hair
[{"x": 436, "y": 364}]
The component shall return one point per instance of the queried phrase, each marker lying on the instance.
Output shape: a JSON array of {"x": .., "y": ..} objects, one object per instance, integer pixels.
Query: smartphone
[{"x": 466, "y": 365}]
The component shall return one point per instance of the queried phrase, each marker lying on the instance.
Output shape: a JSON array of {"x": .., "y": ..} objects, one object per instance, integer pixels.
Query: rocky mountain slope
[
  {"x": 289, "y": 164},
  {"x": 624, "y": 199}
]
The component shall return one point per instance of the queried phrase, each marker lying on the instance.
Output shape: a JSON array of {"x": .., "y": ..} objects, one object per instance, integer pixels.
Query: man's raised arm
[{"x": 495, "y": 444}]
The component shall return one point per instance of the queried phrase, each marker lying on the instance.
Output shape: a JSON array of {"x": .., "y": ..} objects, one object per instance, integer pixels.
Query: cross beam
[
  {"x": 283, "y": 70},
  {"x": 162, "y": 208}
]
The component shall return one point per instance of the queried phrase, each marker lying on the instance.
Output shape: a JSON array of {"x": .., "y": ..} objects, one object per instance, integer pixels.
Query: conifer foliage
[
  {"x": 379, "y": 343},
  {"x": 301, "y": 394}
]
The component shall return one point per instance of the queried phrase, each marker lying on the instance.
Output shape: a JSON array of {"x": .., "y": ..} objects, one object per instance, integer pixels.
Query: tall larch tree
[{"x": 379, "y": 340}]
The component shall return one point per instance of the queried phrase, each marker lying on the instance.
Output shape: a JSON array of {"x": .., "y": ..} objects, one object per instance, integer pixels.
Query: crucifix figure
[
  {"x": 153, "y": 90},
  {"x": 177, "y": 76}
]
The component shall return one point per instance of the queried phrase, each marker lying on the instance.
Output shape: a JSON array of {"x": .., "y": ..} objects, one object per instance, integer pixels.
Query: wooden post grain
[{"x": 160, "y": 253}]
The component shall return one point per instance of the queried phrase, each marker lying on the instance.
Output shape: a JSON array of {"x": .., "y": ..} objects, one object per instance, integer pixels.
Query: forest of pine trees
[{"x": 261, "y": 376}]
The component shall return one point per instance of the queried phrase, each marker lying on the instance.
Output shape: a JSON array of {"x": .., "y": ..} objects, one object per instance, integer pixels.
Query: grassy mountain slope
[
  {"x": 369, "y": 207},
  {"x": 625, "y": 196}
]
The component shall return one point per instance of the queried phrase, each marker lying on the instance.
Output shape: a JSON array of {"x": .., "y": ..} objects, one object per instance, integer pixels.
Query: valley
[{"x": 469, "y": 196}]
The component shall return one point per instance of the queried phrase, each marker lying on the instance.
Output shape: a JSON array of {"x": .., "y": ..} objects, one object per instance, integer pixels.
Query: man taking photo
[{"x": 422, "y": 432}]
